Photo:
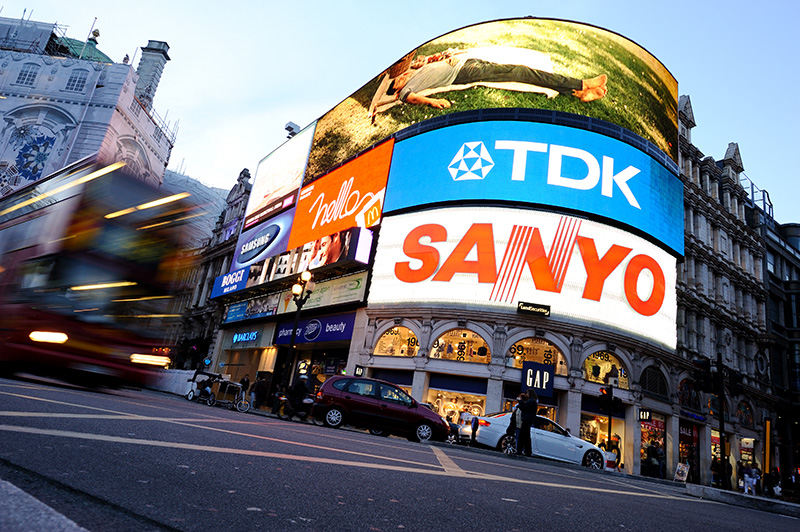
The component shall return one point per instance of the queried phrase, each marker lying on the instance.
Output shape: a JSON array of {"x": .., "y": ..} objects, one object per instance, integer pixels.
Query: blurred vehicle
[
  {"x": 379, "y": 406},
  {"x": 548, "y": 440},
  {"x": 87, "y": 259}
]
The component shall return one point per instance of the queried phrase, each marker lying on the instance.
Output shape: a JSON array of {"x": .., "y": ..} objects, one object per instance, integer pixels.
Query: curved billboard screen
[
  {"x": 539, "y": 164},
  {"x": 496, "y": 258},
  {"x": 530, "y": 63}
]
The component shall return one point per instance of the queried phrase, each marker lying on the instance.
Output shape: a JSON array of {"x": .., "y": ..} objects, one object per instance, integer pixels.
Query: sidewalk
[{"x": 23, "y": 513}]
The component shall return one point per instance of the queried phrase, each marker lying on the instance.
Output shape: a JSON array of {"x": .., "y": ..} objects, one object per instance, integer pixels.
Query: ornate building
[
  {"x": 721, "y": 308},
  {"x": 63, "y": 100},
  {"x": 202, "y": 316}
]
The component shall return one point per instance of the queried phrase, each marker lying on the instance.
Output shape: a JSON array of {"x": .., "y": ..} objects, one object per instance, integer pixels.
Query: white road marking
[{"x": 330, "y": 461}]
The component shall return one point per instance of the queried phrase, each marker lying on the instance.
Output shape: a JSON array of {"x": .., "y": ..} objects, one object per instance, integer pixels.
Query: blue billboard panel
[
  {"x": 540, "y": 164},
  {"x": 324, "y": 329},
  {"x": 262, "y": 241},
  {"x": 230, "y": 282}
]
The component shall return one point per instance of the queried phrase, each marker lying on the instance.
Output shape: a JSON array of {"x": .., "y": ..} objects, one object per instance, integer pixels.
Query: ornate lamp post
[{"x": 301, "y": 290}]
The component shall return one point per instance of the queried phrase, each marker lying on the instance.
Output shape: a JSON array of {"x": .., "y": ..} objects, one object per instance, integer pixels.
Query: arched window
[
  {"x": 77, "y": 80},
  {"x": 397, "y": 342},
  {"x": 653, "y": 383},
  {"x": 688, "y": 394},
  {"x": 27, "y": 75},
  {"x": 601, "y": 366},
  {"x": 536, "y": 350},
  {"x": 744, "y": 414},
  {"x": 462, "y": 345}
]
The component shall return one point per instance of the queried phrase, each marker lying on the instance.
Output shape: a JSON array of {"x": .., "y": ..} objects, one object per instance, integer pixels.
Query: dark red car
[{"x": 379, "y": 406}]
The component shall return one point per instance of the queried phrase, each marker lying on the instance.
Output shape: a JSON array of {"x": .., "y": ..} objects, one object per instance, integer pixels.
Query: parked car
[
  {"x": 377, "y": 405},
  {"x": 548, "y": 440}
]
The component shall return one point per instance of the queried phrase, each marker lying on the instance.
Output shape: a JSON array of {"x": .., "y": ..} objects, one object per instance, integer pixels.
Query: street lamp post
[{"x": 301, "y": 290}]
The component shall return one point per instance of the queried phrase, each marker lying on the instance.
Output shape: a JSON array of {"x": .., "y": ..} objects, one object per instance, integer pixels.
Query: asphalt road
[{"x": 142, "y": 460}]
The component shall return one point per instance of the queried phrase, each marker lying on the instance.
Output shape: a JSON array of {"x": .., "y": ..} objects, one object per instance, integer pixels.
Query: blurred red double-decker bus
[{"x": 88, "y": 256}]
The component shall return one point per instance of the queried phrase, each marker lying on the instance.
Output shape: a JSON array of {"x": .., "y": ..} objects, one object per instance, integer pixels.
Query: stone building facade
[{"x": 63, "y": 100}]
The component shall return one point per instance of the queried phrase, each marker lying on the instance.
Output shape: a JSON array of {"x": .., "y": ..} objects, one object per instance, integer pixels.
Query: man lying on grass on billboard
[{"x": 451, "y": 68}]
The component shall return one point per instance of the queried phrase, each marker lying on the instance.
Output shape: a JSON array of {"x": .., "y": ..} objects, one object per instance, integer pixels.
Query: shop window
[
  {"x": 536, "y": 350},
  {"x": 594, "y": 429},
  {"x": 653, "y": 440},
  {"x": 397, "y": 342},
  {"x": 601, "y": 366},
  {"x": 744, "y": 414},
  {"x": 653, "y": 383},
  {"x": 462, "y": 345},
  {"x": 688, "y": 395},
  {"x": 455, "y": 406}
]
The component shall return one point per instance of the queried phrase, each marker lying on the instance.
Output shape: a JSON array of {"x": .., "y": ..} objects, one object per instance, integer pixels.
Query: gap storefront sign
[
  {"x": 323, "y": 329},
  {"x": 539, "y": 164},
  {"x": 539, "y": 377}
]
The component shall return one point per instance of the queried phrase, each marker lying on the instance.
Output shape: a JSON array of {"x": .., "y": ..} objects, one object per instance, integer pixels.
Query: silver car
[{"x": 548, "y": 440}]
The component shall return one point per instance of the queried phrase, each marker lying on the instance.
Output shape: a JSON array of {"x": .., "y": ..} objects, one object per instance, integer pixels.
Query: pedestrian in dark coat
[{"x": 528, "y": 409}]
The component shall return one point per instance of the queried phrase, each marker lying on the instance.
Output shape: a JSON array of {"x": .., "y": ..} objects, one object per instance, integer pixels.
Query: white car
[{"x": 548, "y": 440}]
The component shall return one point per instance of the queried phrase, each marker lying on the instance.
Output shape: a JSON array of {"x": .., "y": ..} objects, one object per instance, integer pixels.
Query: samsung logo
[{"x": 256, "y": 245}]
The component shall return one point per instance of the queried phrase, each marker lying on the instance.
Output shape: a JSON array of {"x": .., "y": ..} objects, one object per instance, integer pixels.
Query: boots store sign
[
  {"x": 495, "y": 257},
  {"x": 539, "y": 164}
]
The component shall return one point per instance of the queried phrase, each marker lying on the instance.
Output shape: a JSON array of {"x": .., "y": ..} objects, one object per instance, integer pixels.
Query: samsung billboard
[
  {"x": 543, "y": 165},
  {"x": 493, "y": 258}
]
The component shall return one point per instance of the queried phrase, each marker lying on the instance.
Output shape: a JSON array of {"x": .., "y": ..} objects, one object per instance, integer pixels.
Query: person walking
[
  {"x": 245, "y": 382},
  {"x": 528, "y": 409}
]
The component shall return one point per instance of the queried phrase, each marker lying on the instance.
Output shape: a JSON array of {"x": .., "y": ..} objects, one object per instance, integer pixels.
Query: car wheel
[
  {"x": 507, "y": 444},
  {"x": 211, "y": 401},
  {"x": 190, "y": 395},
  {"x": 423, "y": 433},
  {"x": 334, "y": 418},
  {"x": 452, "y": 439},
  {"x": 379, "y": 432},
  {"x": 593, "y": 460}
]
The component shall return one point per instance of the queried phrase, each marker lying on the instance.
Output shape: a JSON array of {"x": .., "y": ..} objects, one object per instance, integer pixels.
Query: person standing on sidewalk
[{"x": 528, "y": 409}]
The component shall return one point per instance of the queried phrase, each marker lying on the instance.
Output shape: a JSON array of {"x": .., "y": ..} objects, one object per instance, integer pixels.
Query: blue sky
[{"x": 240, "y": 70}]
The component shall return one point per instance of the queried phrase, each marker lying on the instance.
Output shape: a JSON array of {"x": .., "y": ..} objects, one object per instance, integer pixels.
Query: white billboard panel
[{"x": 497, "y": 257}]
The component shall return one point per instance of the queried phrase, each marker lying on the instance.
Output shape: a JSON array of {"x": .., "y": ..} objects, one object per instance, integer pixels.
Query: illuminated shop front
[
  {"x": 321, "y": 343},
  {"x": 654, "y": 432},
  {"x": 689, "y": 448},
  {"x": 246, "y": 349}
]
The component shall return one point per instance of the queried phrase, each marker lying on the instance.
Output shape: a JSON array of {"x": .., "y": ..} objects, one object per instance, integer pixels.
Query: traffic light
[
  {"x": 608, "y": 402},
  {"x": 702, "y": 375}
]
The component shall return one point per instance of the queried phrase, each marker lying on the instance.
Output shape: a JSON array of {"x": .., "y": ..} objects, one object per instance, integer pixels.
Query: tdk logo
[{"x": 473, "y": 161}]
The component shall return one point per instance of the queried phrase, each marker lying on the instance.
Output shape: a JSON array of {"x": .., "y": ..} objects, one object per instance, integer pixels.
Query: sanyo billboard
[{"x": 493, "y": 257}]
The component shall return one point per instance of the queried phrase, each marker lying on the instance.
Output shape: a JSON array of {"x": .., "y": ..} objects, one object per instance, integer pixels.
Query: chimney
[{"x": 154, "y": 57}]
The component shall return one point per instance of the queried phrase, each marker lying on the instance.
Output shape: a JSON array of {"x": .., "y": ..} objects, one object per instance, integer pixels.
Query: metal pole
[
  {"x": 287, "y": 367},
  {"x": 610, "y": 414}
]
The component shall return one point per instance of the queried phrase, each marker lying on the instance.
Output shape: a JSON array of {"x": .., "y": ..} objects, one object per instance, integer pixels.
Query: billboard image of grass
[{"x": 641, "y": 93}]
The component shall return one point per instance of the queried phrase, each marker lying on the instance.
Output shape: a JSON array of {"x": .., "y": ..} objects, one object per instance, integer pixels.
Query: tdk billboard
[{"x": 542, "y": 165}]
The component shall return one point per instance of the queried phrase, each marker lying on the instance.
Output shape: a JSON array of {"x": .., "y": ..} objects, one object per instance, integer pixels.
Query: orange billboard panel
[{"x": 350, "y": 196}]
